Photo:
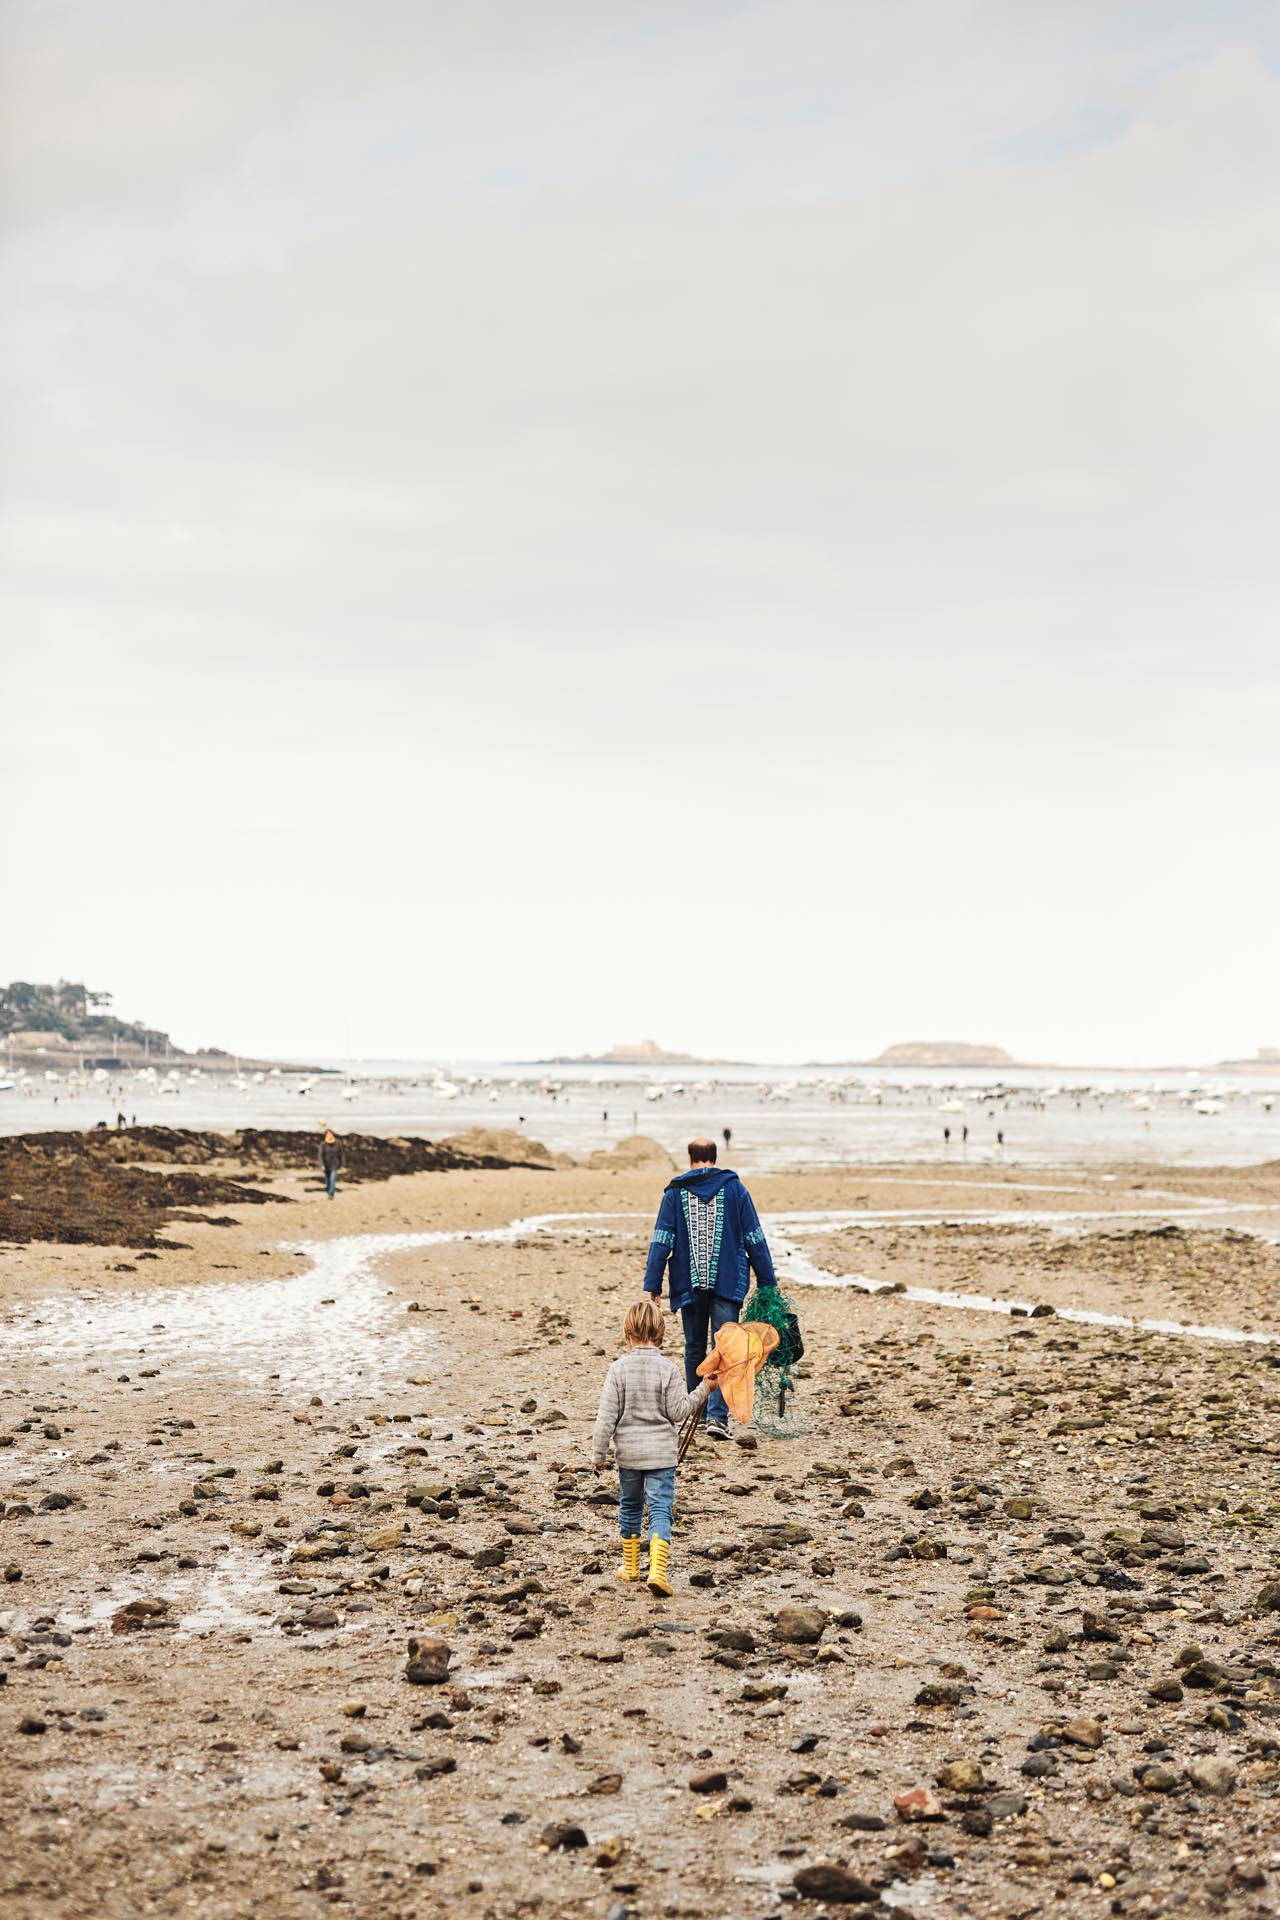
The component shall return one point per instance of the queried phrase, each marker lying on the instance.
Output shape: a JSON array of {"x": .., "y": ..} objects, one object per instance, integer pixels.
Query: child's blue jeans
[{"x": 658, "y": 1487}]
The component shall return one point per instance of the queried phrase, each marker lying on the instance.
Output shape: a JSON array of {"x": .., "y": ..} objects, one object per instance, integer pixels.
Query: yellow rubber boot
[
  {"x": 658, "y": 1551},
  {"x": 630, "y": 1568}
]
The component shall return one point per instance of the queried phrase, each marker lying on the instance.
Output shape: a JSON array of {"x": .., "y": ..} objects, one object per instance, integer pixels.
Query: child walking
[{"x": 642, "y": 1407}]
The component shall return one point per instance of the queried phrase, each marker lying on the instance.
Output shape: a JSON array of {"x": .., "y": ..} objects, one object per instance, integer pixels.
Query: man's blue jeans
[
  {"x": 635, "y": 1486},
  {"x": 703, "y": 1318},
  {"x": 331, "y": 1181}
]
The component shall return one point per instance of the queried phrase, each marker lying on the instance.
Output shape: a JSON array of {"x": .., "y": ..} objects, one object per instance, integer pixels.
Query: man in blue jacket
[{"x": 709, "y": 1235}]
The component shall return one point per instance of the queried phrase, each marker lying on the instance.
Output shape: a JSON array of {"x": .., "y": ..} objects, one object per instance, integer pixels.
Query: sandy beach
[{"x": 1018, "y": 1560}]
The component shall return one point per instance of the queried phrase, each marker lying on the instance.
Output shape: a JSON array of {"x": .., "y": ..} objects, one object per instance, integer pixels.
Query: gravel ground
[{"x": 995, "y": 1628}]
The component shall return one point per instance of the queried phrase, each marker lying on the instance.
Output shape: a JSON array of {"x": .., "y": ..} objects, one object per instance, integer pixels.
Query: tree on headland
[{"x": 72, "y": 1011}]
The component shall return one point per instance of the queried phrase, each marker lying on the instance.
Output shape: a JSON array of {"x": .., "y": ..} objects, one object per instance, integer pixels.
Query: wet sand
[{"x": 1015, "y": 1529}]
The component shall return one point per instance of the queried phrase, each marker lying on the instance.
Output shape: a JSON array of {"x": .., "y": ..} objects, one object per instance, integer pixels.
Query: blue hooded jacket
[{"x": 707, "y": 1229}]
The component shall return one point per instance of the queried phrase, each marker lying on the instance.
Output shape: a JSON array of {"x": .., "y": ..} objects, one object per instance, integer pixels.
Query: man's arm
[
  {"x": 662, "y": 1245},
  {"x": 758, "y": 1254}
]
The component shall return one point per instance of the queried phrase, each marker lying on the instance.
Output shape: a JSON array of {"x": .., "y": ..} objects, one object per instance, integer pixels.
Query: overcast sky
[{"x": 529, "y": 525}]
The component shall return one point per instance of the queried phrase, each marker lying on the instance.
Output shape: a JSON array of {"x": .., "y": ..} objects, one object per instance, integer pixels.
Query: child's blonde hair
[{"x": 644, "y": 1324}]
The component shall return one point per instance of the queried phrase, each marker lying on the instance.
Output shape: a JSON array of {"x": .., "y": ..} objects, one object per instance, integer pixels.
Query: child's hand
[{"x": 597, "y": 1466}]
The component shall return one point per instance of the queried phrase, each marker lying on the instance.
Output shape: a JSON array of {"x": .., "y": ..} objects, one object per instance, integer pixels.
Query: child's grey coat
[{"x": 642, "y": 1407}]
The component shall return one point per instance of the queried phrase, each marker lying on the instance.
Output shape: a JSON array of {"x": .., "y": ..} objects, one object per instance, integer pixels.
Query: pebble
[
  {"x": 962, "y": 1776},
  {"x": 800, "y": 1626},
  {"x": 834, "y": 1884},
  {"x": 1212, "y": 1775},
  {"x": 428, "y": 1662},
  {"x": 563, "y": 1837},
  {"x": 1083, "y": 1733},
  {"x": 918, "y": 1803}
]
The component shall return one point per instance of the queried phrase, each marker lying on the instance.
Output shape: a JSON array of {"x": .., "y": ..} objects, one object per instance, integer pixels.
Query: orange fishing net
[{"x": 741, "y": 1349}]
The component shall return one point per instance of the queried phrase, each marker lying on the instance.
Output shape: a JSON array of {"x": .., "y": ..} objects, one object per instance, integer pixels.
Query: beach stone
[
  {"x": 1096, "y": 1627},
  {"x": 800, "y": 1626},
  {"x": 939, "y": 1693},
  {"x": 1268, "y": 1600},
  {"x": 1166, "y": 1690},
  {"x": 1005, "y": 1806},
  {"x": 834, "y": 1884},
  {"x": 1083, "y": 1733},
  {"x": 606, "y": 1783},
  {"x": 732, "y": 1639},
  {"x": 1038, "y": 1766},
  {"x": 1204, "y": 1673},
  {"x": 858, "y": 1822},
  {"x": 713, "y": 1780},
  {"x": 1157, "y": 1779},
  {"x": 428, "y": 1662},
  {"x": 563, "y": 1837},
  {"x": 1171, "y": 1538},
  {"x": 136, "y": 1615},
  {"x": 962, "y": 1776},
  {"x": 1212, "y": 1775},
  {"x": 918, "y": 1803},
  {"x": 383, "y": 1538},
  {"x": 789, "y": 1533},
  {"x": 438, "y": 1765},
  {"x": 32, "y": 1724}
]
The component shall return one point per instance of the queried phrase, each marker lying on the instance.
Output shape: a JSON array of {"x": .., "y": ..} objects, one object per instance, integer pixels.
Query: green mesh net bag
[{"x": 774, "y": 1406}]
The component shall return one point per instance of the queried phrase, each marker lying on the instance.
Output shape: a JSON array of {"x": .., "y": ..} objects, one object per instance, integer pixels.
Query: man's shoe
[
  {"x": 630, "y": 1568},
  {"x": 658, "y": 1581},
  {"x": 717, "y": 1430}
]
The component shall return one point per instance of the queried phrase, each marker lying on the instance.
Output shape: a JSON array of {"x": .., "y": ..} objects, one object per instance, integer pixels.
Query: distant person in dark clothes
[
  {"x": 1000, "y": 1137},
  {"x": 728, "y": 1135},
  {"x": 330, "y": 1160},
  {"x": 964, "y": 1134},
  {"x": 707, "y": 1243},
  {"x": 946, "y": 1135}
]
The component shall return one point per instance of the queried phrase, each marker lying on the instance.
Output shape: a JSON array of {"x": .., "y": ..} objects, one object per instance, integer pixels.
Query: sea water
[{"x": 778, "y": 1116}]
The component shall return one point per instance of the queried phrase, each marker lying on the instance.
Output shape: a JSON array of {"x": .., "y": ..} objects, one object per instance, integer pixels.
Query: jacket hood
[{"x": 704, "y": 1180}]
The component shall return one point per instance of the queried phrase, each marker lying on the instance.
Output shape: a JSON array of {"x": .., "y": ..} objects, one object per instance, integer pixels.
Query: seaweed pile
[{"x": 111, "y": 1189}]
